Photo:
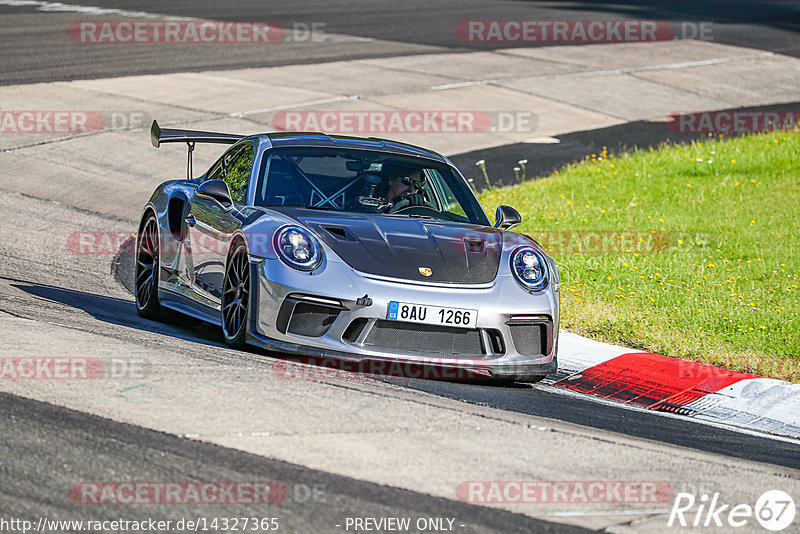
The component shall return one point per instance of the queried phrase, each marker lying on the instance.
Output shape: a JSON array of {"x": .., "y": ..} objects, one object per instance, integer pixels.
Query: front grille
[
  {"x": 425, "y": 339},
  {"x": 529, "y": 339},
  {"x": 354, "y": 330},
  {"x": 311, "y": 320}
]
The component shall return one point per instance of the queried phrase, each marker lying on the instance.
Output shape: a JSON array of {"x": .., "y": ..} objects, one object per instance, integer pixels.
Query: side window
[
  {"x": 215, "y": 172},
  {"x": 236, "y": 170},
  {"x": 446, "y": 196}
]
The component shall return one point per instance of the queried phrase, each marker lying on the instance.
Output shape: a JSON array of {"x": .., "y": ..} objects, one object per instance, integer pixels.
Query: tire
[
  {"x": 146, "y": 272},
  {"x": 236, "y": 291}
]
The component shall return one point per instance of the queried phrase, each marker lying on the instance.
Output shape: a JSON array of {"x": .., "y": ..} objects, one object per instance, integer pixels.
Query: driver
[{"x": 405, "y": 184}]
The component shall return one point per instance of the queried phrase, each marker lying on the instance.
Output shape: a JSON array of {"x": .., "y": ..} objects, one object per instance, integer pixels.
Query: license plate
[{"x": 419, "y": 313}]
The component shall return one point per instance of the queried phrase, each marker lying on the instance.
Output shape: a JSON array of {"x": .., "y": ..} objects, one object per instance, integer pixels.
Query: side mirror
[
  {"x": 506, "y": 217},
  {"x": 216, "y": 190}
]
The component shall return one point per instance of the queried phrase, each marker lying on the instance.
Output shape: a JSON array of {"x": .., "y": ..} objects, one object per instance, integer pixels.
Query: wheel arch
[
  {"x": 238, "y": 237},
  {"x": 146, "y": 212}
]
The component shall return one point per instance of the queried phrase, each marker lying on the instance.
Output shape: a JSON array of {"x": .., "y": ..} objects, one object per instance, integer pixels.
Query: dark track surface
[
  {"x": 39, "y": 436},
  {"x": 36, "y": 46}
]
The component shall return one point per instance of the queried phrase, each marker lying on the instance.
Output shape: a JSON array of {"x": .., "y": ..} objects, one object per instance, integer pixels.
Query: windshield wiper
[
  {"x": 326, "y": 208},
  {"x": 417, "y": 216},
  {"x": 303, "y": 206}
]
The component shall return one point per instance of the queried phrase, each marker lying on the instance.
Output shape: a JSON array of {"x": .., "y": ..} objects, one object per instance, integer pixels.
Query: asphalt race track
[
  {"x": 200, "y": 411},
  {"x": 57, "y": 435},
  {"x": 539, "y": 400}
]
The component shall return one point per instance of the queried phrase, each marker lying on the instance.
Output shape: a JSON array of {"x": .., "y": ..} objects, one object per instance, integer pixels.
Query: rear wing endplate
[{"x": 160, "y": 135}]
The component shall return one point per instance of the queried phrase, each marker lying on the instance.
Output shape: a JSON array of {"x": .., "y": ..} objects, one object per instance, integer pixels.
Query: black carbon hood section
[{"x": 400, "y": 247}]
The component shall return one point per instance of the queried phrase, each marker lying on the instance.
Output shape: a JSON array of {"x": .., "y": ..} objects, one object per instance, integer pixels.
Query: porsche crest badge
[{"x": 425, "y": 271}]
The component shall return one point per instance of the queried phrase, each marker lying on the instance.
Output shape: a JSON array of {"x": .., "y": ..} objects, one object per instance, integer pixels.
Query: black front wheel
[
  {"x": 146, "y": 283},
  {"x": 236, "y": 297}
]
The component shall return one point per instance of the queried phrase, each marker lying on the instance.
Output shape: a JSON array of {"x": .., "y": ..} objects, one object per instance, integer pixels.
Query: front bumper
[{"x": 502, "y": 305}]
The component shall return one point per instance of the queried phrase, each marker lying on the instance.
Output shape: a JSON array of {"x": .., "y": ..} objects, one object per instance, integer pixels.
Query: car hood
[{"x": 407, "y": 248}]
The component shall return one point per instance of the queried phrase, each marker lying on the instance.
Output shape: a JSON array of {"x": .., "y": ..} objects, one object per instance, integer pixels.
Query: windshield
[{"x": 365, "y": 181}]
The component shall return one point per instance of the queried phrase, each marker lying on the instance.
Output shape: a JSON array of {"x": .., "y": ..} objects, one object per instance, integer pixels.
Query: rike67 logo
[{"x": 774, "y": 510}]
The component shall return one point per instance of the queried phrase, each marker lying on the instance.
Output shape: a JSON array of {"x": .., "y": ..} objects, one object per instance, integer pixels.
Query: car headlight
[
  {"x": 298, "y": 248},
  {"x": 530, "y": 268}
]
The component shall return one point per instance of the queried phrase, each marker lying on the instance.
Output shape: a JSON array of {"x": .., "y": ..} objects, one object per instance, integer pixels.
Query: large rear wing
[{"x": 160, "y": 135}]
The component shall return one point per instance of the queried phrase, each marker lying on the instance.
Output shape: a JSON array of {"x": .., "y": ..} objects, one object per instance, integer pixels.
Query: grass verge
[{"x": 691, "y": 251}]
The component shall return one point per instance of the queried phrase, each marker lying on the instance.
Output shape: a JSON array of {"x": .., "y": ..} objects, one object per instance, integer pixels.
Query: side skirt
[{"x": 187, "y": 306}]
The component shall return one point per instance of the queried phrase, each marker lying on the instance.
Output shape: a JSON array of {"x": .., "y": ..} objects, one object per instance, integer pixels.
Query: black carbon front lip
[{"x": 397, "y": 367}]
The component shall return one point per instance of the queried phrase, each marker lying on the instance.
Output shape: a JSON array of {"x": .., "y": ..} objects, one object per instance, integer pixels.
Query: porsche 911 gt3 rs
[{"x": 340, "y": 247}]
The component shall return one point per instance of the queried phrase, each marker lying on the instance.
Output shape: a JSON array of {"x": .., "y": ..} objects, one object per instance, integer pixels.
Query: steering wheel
[
  {"x": 399, "y": 205},
  {"x": 417, "y": 210}
]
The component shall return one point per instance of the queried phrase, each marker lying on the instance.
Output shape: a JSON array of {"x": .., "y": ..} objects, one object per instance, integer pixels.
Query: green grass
[{"x": 691, "y": 251}]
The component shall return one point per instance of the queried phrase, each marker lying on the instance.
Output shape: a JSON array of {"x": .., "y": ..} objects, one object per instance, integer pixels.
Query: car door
[{"x": 211, "y": 224}]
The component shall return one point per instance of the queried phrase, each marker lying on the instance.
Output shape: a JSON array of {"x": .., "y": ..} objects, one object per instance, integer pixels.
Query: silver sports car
[{"x": 347, "y": 248}]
